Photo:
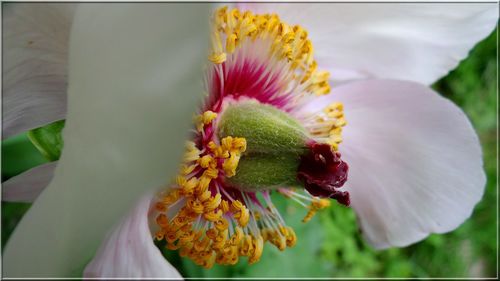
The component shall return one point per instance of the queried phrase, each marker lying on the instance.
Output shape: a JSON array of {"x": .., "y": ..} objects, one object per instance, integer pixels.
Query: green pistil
[
  {"x": 275, "y": 142},
  {"x": 266, "y": 129}
]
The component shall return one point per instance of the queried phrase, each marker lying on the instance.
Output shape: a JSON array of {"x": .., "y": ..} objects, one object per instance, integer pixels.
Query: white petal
[
  {"x": 135, "y": 77},
  {"x": 27, "y": 186},
  {"x": 417, "y": 42},
  {"x": 36, "y": 40},
  {"x": 415, "y": 162},
  {"x": 129, "y": 251}
]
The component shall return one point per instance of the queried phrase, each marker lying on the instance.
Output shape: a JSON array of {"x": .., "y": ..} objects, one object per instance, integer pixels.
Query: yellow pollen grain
[
  {"x": 195, "y": 206},
  {"x": 180, "y": 180},
  {"x": 258, "y": 246},
  {"x": 208, "y": 117},
  {"x": 217, "y": 55},
  {"x": 316, "y": 204},
  {"x": 224, "y": 205},
  {"x": 212, "y": 203},
  {"x": 231, "y": 43},
  {"x": 243, "y": 217},
  {"x": 328, "y": 125},
  {"x": 205, "y": 161},
  {"x": 186, "y": 170},
  {"x": 213, "y": 216},
  {"x": 221, "y": 224},
  {"x": 236, "y": 206},
  {"x": 291, "y": 238},
  {"x": 204, "y": 119},
  {"x": 204, "y": 196},
  {"x": 213, "y": 245}
]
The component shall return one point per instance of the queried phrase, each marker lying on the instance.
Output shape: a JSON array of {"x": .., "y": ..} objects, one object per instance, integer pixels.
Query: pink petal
[
  {"x": 417, "y": 42},
  {"x": 129, "y": 251},
  {"x": 27, "y": 186},
  {"x": 36, "y": 40},
  {"x": 415, "y": 161}
]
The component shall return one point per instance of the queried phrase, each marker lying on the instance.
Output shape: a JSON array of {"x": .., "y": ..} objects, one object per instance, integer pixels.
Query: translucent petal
[
  {"x": 35, "y": 44},
  {"x": 27, "y": 186},
  {"x": 129, "y": 251},
  {"x": 415, "y": 162},
  {"x": 418, "y": 42},
  {"x": 135, "y": 79}
]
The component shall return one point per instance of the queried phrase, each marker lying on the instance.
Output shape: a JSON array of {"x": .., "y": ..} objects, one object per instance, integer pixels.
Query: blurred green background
[{"x": 330, "y": 245}]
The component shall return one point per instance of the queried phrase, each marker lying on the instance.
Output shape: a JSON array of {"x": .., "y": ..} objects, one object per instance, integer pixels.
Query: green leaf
[
  {"x": 19, "y": 155},
  {"x": 48, "y": 140}
]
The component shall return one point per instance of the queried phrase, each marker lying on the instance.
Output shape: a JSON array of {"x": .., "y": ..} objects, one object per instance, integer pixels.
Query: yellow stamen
[
  {"x": 328, "y": 126},
  {"x": 316, "y": 205},
  {"x": 214, "y": 244},
  {"x": 287, "y": 43},
  {"x": 208, "y": 116},
  {"x": 258, "y": 246}
]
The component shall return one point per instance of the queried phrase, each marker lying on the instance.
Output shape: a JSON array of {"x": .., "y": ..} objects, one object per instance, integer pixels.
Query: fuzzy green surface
[
  {"x": 266, "y": 171},
  {"x": 265, "y": 128},
  {"x": 330, "y": 245},
  {"x": 274, "y": 142}
]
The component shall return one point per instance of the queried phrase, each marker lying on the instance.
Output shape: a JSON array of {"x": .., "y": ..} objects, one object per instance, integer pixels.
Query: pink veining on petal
[{"x": 249, "y": 78}]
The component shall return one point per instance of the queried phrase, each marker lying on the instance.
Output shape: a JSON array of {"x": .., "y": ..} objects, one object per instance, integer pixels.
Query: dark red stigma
[{"x": 322, "y": 171}]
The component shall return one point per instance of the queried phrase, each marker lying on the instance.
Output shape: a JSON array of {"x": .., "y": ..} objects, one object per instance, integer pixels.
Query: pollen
[
  {"x": 206, "y": 228},
  {"x": 204, "y": 119},
  {"x": 316, "y": 205},
  {"x": 232, "y": 29},
  {"x": 327, "y": 126},
  {"x": 209, "y": 222},
  {"x": 208, "y": 116}
]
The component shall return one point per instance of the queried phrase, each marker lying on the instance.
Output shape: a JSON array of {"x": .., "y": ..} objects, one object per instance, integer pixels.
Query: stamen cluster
[
  {"x": 232, "y": 29},
  {"x": 327, "y": 126},
  {"x": 208, "y": 221},
  {"x": 203, "y": 214}
]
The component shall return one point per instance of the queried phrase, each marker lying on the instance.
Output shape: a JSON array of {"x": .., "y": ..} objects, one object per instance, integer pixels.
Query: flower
[{"x": 435, "y": 165}]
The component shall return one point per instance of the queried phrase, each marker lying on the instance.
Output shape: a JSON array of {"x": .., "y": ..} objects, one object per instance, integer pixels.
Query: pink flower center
[{"x": 256, "y": 57}]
